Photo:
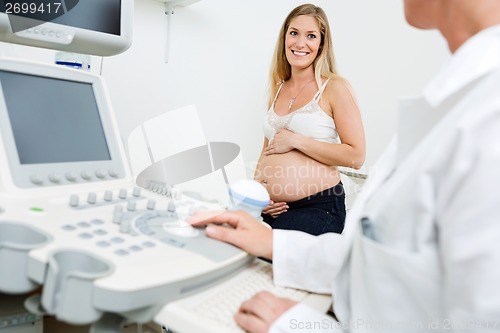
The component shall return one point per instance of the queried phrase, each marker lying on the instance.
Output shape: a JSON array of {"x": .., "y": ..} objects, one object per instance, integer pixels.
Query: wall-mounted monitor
[{"x": 96, "y": 27}]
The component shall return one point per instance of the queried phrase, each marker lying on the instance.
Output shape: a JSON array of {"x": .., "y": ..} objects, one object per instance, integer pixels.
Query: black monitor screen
[
  {"x": 53, "y": 120},
  {"x": 95, "y": 15}
]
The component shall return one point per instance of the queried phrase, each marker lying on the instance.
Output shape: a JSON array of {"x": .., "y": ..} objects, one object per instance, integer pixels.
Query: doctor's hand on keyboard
[
  {"x": 250, "y": 300},
  {"x": 261, "y": 310},
  {"x": 246, "y": 233},
  {"x": 258, "y": 313}
]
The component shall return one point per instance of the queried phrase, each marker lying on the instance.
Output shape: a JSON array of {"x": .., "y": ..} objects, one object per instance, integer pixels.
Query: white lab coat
[{"x": 428, "y": 259}]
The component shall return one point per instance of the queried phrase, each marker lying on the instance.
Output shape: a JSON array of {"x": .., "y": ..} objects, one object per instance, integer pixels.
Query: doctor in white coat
[{"x": 421, "y": 248}]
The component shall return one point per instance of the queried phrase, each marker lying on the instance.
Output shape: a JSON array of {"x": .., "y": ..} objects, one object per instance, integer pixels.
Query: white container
[{"x": 250, "y": 196}]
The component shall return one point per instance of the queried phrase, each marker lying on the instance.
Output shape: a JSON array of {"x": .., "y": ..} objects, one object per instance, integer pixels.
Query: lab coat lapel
[
  {"x": 464, "y": 69},
  {"x": 416, "y": 117}
]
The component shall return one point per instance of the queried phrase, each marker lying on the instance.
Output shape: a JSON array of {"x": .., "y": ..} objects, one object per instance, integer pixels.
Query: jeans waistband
[{"x": 320, "y": 197}]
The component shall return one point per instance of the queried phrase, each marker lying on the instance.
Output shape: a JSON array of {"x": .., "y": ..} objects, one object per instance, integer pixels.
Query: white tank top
[{"x": 309, "y": 120}]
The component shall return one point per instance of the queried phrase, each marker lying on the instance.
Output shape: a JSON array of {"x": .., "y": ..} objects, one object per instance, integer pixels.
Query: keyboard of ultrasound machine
[{"x": 213, "y": 310}]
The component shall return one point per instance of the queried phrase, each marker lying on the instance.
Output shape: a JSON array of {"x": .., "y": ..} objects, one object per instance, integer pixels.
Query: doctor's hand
[
  {"x": 258, "y": 313},
  {"x": 282, "y": 142},
  {"x": 246, "y": 233},
  {"x": 275, "y": 208}
]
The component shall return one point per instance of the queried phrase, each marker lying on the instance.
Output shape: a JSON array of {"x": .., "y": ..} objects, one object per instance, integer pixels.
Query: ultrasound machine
[
  {"x": 71, "y": 217},
  {"x": 80, "y": 237}
]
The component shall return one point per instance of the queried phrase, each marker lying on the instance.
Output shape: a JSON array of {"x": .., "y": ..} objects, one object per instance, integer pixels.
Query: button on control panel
[
  {"x": 72, "y": 177},
  {"x": 45, "y": 34}
]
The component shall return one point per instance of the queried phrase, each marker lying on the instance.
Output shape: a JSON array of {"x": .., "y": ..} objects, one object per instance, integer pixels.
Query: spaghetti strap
[
  {"x": 277, "y": 93},
  {"x": 317, "y": 97}
]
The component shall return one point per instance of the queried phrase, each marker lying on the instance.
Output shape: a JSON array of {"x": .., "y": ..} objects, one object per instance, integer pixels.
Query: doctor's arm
[
  {"x": 297, "y": 259},
  {"x": 297, "y": 256}
]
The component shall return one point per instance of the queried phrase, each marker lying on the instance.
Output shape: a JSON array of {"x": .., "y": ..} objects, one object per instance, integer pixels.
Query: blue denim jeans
[{"x": 316, "y": 214}]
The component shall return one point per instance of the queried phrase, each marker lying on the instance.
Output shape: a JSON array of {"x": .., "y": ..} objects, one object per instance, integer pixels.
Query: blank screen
[
  {"x": 53, "y": 121},
  {"x": 96, "y": 15}
]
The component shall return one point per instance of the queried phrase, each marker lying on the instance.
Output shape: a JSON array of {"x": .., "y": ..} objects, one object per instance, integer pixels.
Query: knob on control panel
[
  {"x": 108, "y": 196},
  {"x": 117, "y": 214},
  {"x": 85, "y": 175},
  {"x": 99, "y": 173},
  {"x": 55, "y": 178},
  {"x": 171, "y": 206},
  {"x": 92, "y": 198},
  {"x": 36, "y": 179},
  {"x": 74, "y": 200},
  {"x": 113, "y": 173},
  {"x": 71, "y": 176},
  {"x": 122, "y": 194},
  {"x": 151, "y": 204},
  {"x": 131, "y": 205}
]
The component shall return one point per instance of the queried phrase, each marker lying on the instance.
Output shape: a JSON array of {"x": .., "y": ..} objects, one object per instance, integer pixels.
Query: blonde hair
[{"x": 324, "y": 64}]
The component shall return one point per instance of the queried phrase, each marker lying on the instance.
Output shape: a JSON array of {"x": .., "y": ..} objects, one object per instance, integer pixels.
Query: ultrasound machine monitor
[
  {"x": 56, "y": 128},
  {"x": 73, "y": 220},
  {"x": 97, "y": 27}
]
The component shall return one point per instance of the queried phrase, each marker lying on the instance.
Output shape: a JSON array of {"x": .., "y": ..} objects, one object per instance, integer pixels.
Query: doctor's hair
[{"x": 324, "y": 64}]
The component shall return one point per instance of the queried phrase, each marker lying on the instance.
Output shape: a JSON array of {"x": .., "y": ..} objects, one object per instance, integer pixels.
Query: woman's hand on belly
[
  {"x": 275, "y": 208},
  {"x": 281, "y": 143}
]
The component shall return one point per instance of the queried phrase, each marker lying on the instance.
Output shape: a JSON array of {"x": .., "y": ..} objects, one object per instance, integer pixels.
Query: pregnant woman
[{"x": 313, "y": 125}]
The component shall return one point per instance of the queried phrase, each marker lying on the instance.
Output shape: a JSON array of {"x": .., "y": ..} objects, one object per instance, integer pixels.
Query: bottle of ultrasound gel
[{"x": 250, "y": 196}]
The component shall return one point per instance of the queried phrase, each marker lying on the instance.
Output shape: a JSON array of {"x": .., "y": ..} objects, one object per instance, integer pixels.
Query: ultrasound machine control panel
[{"x": 72, "y": 218}]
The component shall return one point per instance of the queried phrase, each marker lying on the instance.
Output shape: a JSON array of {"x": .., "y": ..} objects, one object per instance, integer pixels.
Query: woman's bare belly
[{"x": 293, "y": 175}]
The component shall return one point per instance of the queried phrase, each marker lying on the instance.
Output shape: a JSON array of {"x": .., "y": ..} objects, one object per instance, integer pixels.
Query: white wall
[{"x": 220, "y": 55}]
